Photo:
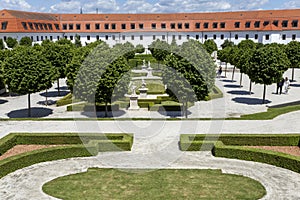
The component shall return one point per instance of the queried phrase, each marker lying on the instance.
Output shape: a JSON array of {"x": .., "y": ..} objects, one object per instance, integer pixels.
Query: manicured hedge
[
  {"x": 82, "y": 145},
  {"x": 91, "y": 108},
  {"x": 233, "y": 146}
]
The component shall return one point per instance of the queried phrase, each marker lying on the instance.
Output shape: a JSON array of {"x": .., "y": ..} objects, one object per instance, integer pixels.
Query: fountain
[
  {"x": 149, "y": 71},
  {"x": 143, "y": 90}
]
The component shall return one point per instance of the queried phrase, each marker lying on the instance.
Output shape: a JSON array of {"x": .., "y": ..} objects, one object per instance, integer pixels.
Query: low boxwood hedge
[
  {"x": 234, "y": 146},
  {"x": 78, "y": 145}
]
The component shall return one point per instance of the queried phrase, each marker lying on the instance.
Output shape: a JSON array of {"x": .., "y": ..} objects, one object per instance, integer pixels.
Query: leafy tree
[
  {"x": 267, "y": 66},
  {"x": 224, "y": 56},
  {"x": 11, "y": 42},
  {"x": 227, "y": 43},
  {"x": 127, "y": 49},
  {"x": 1, "y": 44},
  {"x": 140, "y": 48},
  {"x": 77, "y": 41},
  {"x": 210, "y": 46},
  {"x": 292, "y": 50},
  {"x": 64, "y": 41},
  {"x": 159, "y": 50},
  {"x": 26, "y": 71},
  {"x": 26, "y": 41}
]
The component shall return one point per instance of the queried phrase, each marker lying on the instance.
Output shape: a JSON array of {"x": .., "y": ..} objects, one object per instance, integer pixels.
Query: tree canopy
[
  {"x": 292, "y": 51},
  {"x": 11, "y": 42},
  {"x": 210, "y": 46},
  {"x": 26, "y": 41}
]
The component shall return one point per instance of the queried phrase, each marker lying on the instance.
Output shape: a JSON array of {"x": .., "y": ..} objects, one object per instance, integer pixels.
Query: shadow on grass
[
  {"x": 239, "y": 92},
  {"x": 250, "y": 101},
  {"x": 54, "y": 94},
  {"x": 102, "y": 114},
  {"x": 35, "y": 113},
  {"x": 3, "y": 101}
]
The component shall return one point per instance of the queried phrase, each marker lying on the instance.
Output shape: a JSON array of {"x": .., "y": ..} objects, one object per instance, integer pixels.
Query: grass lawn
[{"x": 159, "y": 184}]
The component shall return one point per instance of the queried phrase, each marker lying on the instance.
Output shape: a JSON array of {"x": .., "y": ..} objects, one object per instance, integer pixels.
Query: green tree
[
  {"x": 77, "y": 41},
  {"x": 26, "y": 71},
  {"x": 210, "y": 46},
  {"x": 224, "y": 56},
  {"x": 11, "y": 42},
  {"x": 227, "y": 43},
  {"x": 292, "y": 50},
  {"x": 1, "y": 44},
  {"x": 159, "y": 50},
  {"x": 26, "y": 41},
  {"x": 139, "y": 48},
  {"x": 267, "y": 66}
]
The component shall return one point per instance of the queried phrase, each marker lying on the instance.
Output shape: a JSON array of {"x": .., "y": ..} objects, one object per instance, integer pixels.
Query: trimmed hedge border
[
  {"x": 233, "y": 146},
  {"x": 79, "y": 145}
]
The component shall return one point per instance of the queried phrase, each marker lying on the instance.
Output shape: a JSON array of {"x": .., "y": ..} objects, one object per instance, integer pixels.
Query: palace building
[{"x": 264, "y": 26}]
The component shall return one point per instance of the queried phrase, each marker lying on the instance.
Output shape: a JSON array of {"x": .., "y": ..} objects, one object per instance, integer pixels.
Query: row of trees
[{"x": 264, "y": 64}]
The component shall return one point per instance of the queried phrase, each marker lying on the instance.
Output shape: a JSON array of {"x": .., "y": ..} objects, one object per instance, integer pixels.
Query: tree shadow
[
  {"x": 62, "y": 88},
  {"x": 101, "y": 114},
  {"x": 7, "y": 94},
  {"x": 228, "y": 81},
  {"x": 3, "y": 101},
  {"x": 35, "y": 113},
  {"x": 232, "y": 86},
  {"x": 239, "y": 92},
  {"x": 295, "y": 85},
  {"x": 250, "y": 101},
  {"x": 173, "y": 114},
  {"x": 49, "y": 102},
  {"x": 54, "y": 94}
]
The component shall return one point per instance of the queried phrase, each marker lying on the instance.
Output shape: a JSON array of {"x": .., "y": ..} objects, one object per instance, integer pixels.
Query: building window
[
  {"x": 163, "y": 37},
  {"x": 106, "y": 26},
  {"x": 256, "y": 36},
  {"x": 31, "y": 37},
  {"x": 215, "y": 25},
  {"x": 114, "y": 37},
  {"x": 132, "y": 26},
  {"x": 173, "y": 26},
  {"x": 179, "y": 37},
  {"x": 66, "y": 37},
  {"x": 266, "y": 23},
  {"x": 58, "y": 37},
  {"x": 295, "y": 23},
  {"x": 247, "y": 36},
  {"x": 71, "y": 26},
  {"x": 186, "y": 25},
  {"x": 294, "y": 37},
  {"x": 36, "y": 26},
  {"x": 236, "y": 36},
  {"x": 123, "y": 37},
  {"x": 42, "y": 38},
  {"x": 4, "y": 38},
  {"x": 113, "y": 26},
  {"x": 247, "y": 25},
  {"x": 154, "y": 37},
  {"x": 41, "y": 26},
  {"x": 141, "y": 37},
  {"x": 285, "y": 23},
  {"x": 88, "y": 37},
  {"x": 163, "y": 26},
  {"x": 275, "y": 23},
  {"x": 205, "y": 25},
  {"x": 197, "y": 37},
  {"x": 283, "y": 37},
  {"x": 30, "y": 25},
  {"x": 88, "y": 26},
  {"x": 97, "y": 26},
  {"x": 51, "y": 37},
  {"x": 56, "y": 26},
  {"x": 141, "y": 26},
  {"x": 71, "y": 37},
  {"x": 24, "y": 24},
  {"x": 106, "y": 37},
  {"x": 257, "y": 24},
  {"x": 237, "y": 24},
  {"x": 215, "y": 37},
  {"x": 197, "y": 25},
  {"x": 64, "y": 26},
  {"x": 179, "y": 25},
  {"x": 222, "y": 37},
  {"x": 50, "y": 26},
  {"x": 205, "y": 37},
  {"x": 4, "y": 25},
  {"x": 78, "y": 26},
  {"x": 37, "y": 38},
  {"x": 223, "y": 25},
  {"x": 173, "y": 37},
  {"x": 123, "y": 26},
  {"x": 153, "y": 26},
  {"x": 45, "y": 26},
  {"x": 188, "y": 37},
  {"x": 97, "y": 37},
  {"x": 267, "y": 37},
  {"x": 132, "y": 37}
]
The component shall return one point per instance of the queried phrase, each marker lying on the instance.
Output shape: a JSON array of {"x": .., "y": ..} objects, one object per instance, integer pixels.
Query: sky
[{"x": 145, "y": 6}]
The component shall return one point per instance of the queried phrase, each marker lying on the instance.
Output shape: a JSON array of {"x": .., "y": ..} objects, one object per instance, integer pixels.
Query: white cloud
[
  {"x": 292, "y": 4},
  {"x": 15, "y": 4},
  {"x": 102, "y": 6},
  {"x": 250, "y": 5},
  {"x": 66, "y": 7}
]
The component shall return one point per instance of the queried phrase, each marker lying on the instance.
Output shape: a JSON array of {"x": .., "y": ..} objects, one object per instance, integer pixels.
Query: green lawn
[{"x": 159, "y": 184}]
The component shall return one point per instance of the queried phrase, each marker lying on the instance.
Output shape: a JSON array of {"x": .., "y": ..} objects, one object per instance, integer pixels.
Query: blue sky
[{"x": 145, "y": 6}]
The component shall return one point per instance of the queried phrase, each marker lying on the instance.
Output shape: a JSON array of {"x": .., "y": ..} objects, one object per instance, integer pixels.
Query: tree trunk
[
  {"x": 264, "y": 95},
  {"x": 106, "y": 110},
  {"x": 250, "y": 89},
  {"x": 58, "y": 88},
  {"x": 293, "y": 73},
  {"x": 29, "y": 107},
  {"x": 241, "y": 79},
  {"x": 186, "y": 110},
  {"x": 233, "y": 73},
  {"x": 46, "y": 97},
  {"x": 226, "y": 69}
]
